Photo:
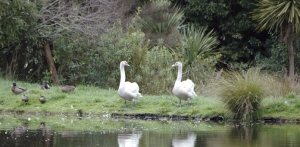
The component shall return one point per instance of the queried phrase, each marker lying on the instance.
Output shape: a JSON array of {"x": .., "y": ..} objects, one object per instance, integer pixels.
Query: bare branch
[{"x": 89, "y": 17}]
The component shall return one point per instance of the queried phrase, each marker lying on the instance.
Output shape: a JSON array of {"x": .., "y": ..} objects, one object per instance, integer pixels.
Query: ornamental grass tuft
[{"x": 243, "y": 92}]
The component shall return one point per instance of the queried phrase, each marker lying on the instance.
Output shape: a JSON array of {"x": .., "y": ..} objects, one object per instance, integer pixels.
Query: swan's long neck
[
  {"x": 122, "y": 80},
  {"x": 179, "y": 74}
]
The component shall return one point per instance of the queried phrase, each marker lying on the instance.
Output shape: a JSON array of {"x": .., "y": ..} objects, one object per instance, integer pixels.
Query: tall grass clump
[
  {"x": 243, "y": 92},
  {"x": 280, "y": 86}
]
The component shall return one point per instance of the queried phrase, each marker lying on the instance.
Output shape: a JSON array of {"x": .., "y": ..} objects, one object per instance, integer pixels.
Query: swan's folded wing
[
  {"x": 188, "y": 85},
  {"x": 133, "y": 87}
]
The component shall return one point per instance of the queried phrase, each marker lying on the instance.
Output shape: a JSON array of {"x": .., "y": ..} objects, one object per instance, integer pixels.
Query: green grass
[
  {"x": 95, "y": 101},
  {"x": 286, "y": 108}
]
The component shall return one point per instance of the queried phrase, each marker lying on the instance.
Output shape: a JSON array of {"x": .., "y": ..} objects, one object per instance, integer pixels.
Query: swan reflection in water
[
  {"x": 184, "y": 140},
  {"x": 129, "y": 138}
]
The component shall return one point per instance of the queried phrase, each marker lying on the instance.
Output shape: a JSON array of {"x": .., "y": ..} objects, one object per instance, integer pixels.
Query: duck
[
  {"x": 128, "y": 91},
  {"x": 45, "y": 85},
  {"x": 183, "y": 90},
  {"x": 25, "y": 98},
  {"x": 67, "y": 88},
  {"x": 42, "y": 99},
  {"x": 17, "y": 90}
]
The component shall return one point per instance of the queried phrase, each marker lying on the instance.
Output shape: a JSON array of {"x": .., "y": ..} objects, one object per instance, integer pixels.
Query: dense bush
[
  {"x": 155, "y": 76},
  {"x": 97, "y": 61}
]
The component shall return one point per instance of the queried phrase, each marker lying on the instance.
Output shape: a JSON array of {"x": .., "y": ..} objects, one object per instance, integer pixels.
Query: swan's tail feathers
[
  {"x": 189, "y": 86},
  {"x": 139, "y": 95},
  {"x": 194, "y": 94},
  {"x": 135, "y": 89}
]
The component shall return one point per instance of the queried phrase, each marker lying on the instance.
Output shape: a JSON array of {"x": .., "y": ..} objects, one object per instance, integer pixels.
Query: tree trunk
[
  {"x": 51, "y": 64},
  {"x": 291, "y": 53}
]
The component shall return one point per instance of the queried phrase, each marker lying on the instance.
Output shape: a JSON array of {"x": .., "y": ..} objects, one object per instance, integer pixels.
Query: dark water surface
[{"x": 61, "y": 131}]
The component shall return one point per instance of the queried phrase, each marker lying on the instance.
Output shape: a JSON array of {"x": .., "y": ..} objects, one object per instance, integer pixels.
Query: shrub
[
  {"x": 155, "y": 75},
  {"x": 243, "y": 92}
]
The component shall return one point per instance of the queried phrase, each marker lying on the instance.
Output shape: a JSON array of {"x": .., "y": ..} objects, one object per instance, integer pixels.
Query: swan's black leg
[
  {"x": 180, "y": 102},
  {"x": 124, "y": 103},
  {"x": 132, "y": 104}
]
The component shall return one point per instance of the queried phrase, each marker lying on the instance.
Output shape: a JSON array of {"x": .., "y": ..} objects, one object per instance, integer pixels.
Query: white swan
[
  {"x": 183, "y": 90},
  {"x": 127, "y": 90}
]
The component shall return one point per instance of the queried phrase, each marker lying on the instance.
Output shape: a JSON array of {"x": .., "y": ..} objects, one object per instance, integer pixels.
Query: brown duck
[
  {"x": 25, "y": 98},
  {"x": 67, "y": 88},
  {"x": 42, "y": 99},
  {"x": 16, "y": 89},
  {"x": 45, "y": 85}
]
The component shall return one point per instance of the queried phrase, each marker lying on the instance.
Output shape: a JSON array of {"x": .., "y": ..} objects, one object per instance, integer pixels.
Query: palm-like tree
[
  {"x": 280, "y": 16},
  {"x": 160, "y": 20},
  {"x": 198, "y": 42}
]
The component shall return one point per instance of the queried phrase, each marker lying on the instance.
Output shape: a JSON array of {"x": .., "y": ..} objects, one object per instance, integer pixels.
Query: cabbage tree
[{"x": 280, "y": 16}]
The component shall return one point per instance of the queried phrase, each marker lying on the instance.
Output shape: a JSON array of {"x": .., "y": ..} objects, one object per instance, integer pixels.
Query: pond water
[{"x": 62, "y": 131}]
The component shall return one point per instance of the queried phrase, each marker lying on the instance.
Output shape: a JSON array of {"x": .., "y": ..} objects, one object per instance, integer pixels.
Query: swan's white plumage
[
  {"x": 184, "y": 90},
  {"x": 127, "y": 90},
  {"x": 184, "y": 140}
]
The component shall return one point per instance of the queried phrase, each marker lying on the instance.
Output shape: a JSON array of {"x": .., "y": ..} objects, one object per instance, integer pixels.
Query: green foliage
[
  {"x": 199, "y": 52},
  {"x": 280, "y": 17},
  {"x": 20, "y": 54},
  {"x": 198, "y": 42},
  {"x": 97, "y": 61},
  {"x": 276, "y": 58},
  {"x": 239, "y": 42},
  {"x": 273, "y": 15},
  {"x": 17, "y": 21},
  {"x": 243, "y": 92},
  {"x": 155, "y": 75}
]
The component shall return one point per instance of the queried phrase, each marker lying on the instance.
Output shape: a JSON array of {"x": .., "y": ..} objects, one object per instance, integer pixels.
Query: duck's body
[
  {"x": 25, "y": 98},
  {"x": 45, "y": 85},
  {"x": 17, "y": 90},
  {"x": 184, "y": 90},
  {"x": 67, "y": 88},
  {"x": 42, "y": 99},
  {"x": 127, "y": 90}
]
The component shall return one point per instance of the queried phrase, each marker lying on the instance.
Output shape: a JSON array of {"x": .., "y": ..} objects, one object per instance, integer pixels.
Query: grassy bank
[
  {"x": 95, "y": 101},
  {"x": 103, "y": 102}
]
